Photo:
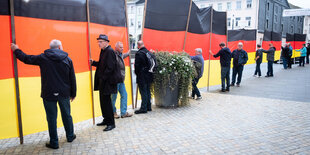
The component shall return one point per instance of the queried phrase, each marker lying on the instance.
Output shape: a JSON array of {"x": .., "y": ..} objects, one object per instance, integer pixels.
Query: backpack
[
  {"x": 198, "y": 67},
  {"x": 151, "y": 61},
  {"x": 118, "y": 77}
]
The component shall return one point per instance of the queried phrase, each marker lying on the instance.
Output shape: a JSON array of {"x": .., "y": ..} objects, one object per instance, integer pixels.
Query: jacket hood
[
  {"x": 56, "y": 54},
  {"x": 226, "y": 49}
]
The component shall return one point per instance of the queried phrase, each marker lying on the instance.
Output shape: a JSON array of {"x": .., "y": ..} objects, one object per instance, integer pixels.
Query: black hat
[{"x": 103, "y": 37}]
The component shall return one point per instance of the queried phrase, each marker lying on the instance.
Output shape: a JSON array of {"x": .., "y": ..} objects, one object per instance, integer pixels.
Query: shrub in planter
[{"x": 172, "y": 79}]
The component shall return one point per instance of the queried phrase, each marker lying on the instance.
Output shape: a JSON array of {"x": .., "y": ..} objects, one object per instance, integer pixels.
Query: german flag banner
[
  {"x": 296, "y": 40},
  {"x": 274, "y": 38},
  {"x": 247, "y": 37},
  {"x": 165, "y": 24},
  {"x": 37, "y": 22}
]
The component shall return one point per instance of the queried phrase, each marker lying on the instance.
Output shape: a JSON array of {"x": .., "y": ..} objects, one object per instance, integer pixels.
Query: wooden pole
[
  {"x": 226, "y": 31},
  {"x": 210, "y": 47},
  {"x": 187, "y": 24},
  {"x": 90, "y": 66},
  {"x": 131, "y": 84},
  {"x": 20, "y": 125}
]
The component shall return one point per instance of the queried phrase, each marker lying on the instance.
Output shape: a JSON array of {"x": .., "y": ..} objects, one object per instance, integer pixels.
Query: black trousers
[
  {"x": 289, "y": 62},
  {"x": 195, "y": 90},
  {"x": 302, "y": 61},
  {"x": 106, "y": 108}
]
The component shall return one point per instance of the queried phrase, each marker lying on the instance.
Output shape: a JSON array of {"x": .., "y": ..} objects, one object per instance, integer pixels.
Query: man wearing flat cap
[{"x": 104, "y": 81}]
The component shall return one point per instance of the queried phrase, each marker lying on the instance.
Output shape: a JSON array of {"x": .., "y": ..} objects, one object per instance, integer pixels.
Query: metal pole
[
  {"x": 20, "y": 125},
  {"x": 131, "y": 84},
  {"x": 187, "y": 24},
  {"x": 210, "y": 47},
  {"x": 90, "y": 66}
]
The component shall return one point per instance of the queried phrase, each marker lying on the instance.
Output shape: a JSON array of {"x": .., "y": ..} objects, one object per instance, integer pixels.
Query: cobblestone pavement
[{"x": 220, "y": 123}]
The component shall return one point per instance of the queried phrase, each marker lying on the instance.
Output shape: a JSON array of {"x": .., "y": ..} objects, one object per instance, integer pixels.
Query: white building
[
  {"x": 135, "y": 10},
  {"x": 307, "y": 28},
  {"x": 240, "y": 13}
]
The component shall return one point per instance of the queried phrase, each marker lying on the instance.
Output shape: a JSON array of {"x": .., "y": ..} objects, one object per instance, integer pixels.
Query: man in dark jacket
[
  {"x": 144, "y": 78},
  {"x": 240, "y": 59},
  {"x": 258, "y": 59},
  {"x": 198, "y": 58},
  {"x": 58, "y": 84},
  {"x": 270, "y": 59},
  {"x": 225, "y": 59},
  {"x": 290, "y": 53},
  {"x": 104, "y": 81},
  {"x": 285, "y": 55}
]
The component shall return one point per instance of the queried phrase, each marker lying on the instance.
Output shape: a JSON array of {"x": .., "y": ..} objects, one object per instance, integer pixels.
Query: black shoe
[
  {"x": 232, "y": 84},
  {"x": 271, "y": 76},
  {"x": 199, "y": 98},
  {"x": 227, "y": 89},
  {"x": 51, "y": 146},
  {"x": 140, "y": 112},
  {"x": 223, "y": 90},
  {"x": 102, "y": 123},
  {"x": 149, "y": 109},
  {"x": 71, "y": 140},
  {"x": 109, "y": 127}
]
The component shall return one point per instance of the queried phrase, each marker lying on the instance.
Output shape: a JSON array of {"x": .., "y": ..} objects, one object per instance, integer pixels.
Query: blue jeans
[
  {"x": 51, "y": 116},
  {"x": 284, "y": 59},
  {"x": 257, "y": 70},
  {"x": 225, "y": 71},
  {"x": 237, "y": 70},
  {"x": 195, "y": 90},
  {"x": 270, "y": 68},
  {"x": 145, "y": 92},
  {"x": 122, "y": 90}
]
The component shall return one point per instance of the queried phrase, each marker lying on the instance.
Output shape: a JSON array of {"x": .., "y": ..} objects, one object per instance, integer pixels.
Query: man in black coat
[
  {"x": 58, "y": 84},
  {"x": 308, "y": 53},
  {"x": 285, "y": 55},
  {"x": 240, "y": 57},
  {"x": 144, "y": 78},
  {"x": 104, "y": 81}
]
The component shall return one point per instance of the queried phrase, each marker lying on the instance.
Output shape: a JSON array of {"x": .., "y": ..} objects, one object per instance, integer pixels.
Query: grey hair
[
  {"x": 198, "y": 50},
  {"x": 117, "y": 43},
  {"x": 55, "y": 44},
  {"x": 240, "y": 43}
]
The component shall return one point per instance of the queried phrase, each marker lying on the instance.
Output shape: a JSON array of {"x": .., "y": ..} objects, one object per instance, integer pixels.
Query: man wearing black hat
[{"x": 103, "y": 81}]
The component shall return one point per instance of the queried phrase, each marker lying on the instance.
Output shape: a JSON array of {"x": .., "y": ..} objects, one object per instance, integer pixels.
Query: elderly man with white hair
[
  {"x": 240, "y": 57},
  {"x": 58, "y": 84},
  {"x": 199, "y": 65}
]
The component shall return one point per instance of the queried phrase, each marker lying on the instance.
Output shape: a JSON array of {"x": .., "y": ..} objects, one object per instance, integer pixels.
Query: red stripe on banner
[
  {"x": 114, "y": 34},
  {"x": 248, "y": 46},
  {"x": 163, "y": 40},
  {"x": 298, "y": 44},
  {"x": 6, "y": 63},
  {"x": 194, "y": 41},
  {"x": 34, "y": 35}
]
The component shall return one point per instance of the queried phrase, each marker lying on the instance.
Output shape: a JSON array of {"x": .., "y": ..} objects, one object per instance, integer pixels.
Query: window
[
  {"x": 248, "y": 3},
  {"x": 299, "y": 31},
  {"x": 238, "y": 5},
  {"x": 276, "y": 8},
  {"x": 228, "y": 22},
  {"x": 131, "y": 9},
  {"x": 292, "y": 29},
  {"x": 219, "y": 6},
  {"x": 248, "y": 19},
  {"x": 140, "y": 11},
  {"x": 267, "y": 24},
  {"x": 139, "y": 25},
  {"x": 267, "y": 6},
  {"x": 237, "y": 21},
  {"x": 228, "y": 5},
  {"x": 282, "y": 27},
  {"x": 276, "y": 18},
  {"x": 131, "y": 22}
]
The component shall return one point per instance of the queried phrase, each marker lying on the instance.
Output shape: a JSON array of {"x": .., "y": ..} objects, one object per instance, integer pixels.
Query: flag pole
[
  {"x": 211, "y": 29},
  {"x": 187, "y": 24},
  {"x": 90, "y": 66},
  {"x": 128, "y": 39},
  {"x": 20, "y": 125}
]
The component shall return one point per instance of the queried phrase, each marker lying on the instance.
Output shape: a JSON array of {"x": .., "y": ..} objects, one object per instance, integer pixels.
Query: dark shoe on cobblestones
[
  {"x": 232, "y": 84},
  {"x": 199, "y": 98},
  {"x": 102, "y": 123},
  {"x": 51, "y": 146},
  {"x": 109, "y": 128},
  {"x": 222, "y": 90},
  {"x": 140, "y": 112},
  {"x": 126, "y": 115},
  {"x": 71, "y": 140},
  {"x": 227, "y": 89}
]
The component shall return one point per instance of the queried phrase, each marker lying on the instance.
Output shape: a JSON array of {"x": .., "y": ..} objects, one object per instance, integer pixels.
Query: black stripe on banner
[
  {"x": 219, "y": 23},
  {"x": 4, "y": 7},
  {"x": 272, "y": 36},
  {"x": 66, "y": 10},
  {"x": 289, "y": 37},
  {"x": 108, "y": 12},
  {"x": 242, "y": 34},
  {"x": 200, "y": 20},
  {"x": 299, "y": 37},
  {"x": 167, "y": 15}
]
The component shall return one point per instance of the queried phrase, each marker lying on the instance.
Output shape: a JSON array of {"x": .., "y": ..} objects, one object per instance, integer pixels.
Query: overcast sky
[{"x": 300, "y": 3}]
